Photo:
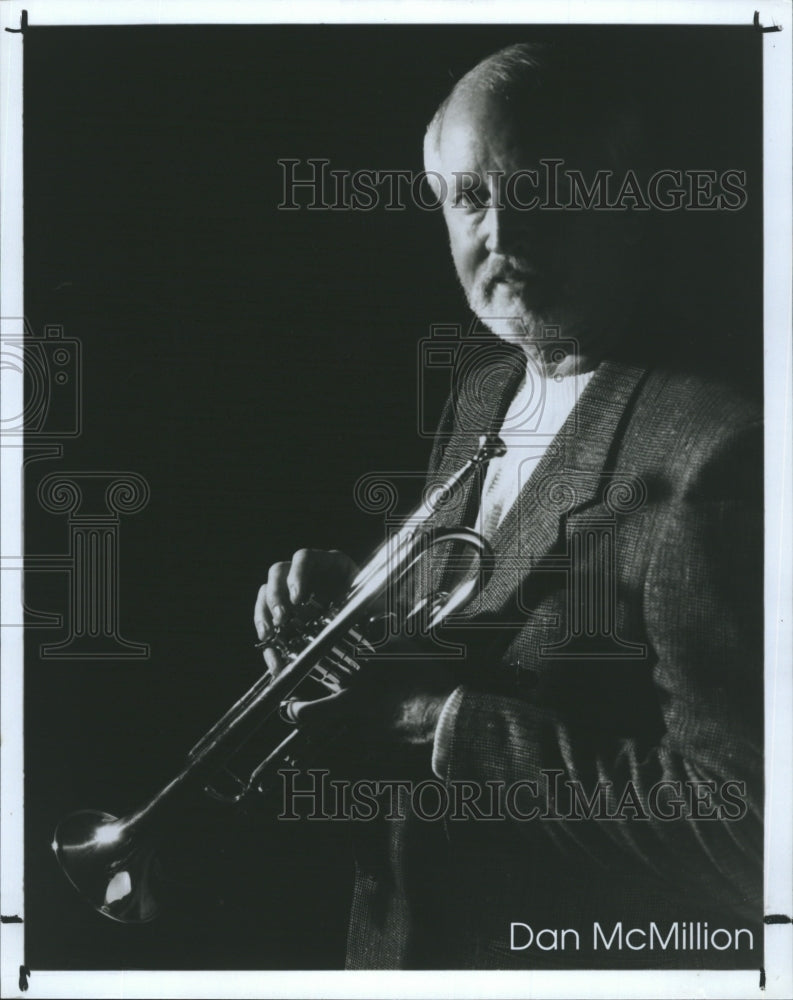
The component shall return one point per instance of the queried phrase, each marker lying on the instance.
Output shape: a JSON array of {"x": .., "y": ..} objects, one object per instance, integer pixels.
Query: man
[{"x": 614, "y": 674}]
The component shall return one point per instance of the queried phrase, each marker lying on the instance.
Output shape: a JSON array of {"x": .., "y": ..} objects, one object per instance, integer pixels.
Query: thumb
[{"x": 322, "y": 713}]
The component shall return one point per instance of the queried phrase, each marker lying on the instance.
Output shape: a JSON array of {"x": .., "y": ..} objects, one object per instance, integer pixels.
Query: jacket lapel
[
  {"x": 568, "y": 477},
  {"x": 480, "y": 405}
]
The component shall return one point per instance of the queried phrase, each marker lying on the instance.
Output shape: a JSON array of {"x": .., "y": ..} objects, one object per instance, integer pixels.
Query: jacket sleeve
[{"x": 703, "y": 615}]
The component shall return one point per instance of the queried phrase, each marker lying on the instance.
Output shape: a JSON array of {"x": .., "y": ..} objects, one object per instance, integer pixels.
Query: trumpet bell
[{"x": 100, "y": 857}]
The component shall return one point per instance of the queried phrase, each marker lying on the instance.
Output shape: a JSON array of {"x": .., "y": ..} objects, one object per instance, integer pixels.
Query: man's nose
[{"x": 507, "y": 230}]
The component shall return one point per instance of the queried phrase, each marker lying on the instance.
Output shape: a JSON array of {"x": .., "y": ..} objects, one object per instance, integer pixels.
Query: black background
[{"x": 251, "y": 364}]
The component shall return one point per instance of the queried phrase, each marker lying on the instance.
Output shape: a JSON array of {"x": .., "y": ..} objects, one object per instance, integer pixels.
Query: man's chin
[
  {"x": 521, "y": 331},
  {"x": 507, "y": 316}
]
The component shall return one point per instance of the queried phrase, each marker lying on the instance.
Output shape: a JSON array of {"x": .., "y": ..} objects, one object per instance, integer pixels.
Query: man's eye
[{"x": 472, "y": 200}]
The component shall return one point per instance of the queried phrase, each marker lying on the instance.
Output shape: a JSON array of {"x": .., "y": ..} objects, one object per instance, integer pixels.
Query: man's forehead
[
  {"x": 479, "y": 131},
  {"x": 475, "y": 111},
  {"x": 485, "y": 131}
]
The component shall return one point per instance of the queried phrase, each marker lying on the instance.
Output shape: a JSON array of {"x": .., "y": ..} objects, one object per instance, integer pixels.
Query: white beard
[
  {"x": 536, "y": 333},
  {"x": 505, "y": 315}
]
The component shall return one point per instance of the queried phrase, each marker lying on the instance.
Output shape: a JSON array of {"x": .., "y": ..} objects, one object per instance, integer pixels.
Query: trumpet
[{"x": 109, "y": 859}]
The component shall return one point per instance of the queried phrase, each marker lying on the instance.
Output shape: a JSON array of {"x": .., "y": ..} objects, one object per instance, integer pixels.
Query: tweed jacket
[{"x": 618, "y": 644}]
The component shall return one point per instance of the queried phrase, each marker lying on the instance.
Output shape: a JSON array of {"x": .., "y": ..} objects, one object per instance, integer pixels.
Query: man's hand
[
  {"x": 391, "y": 700},
  {"x": 311, "y": 572}
]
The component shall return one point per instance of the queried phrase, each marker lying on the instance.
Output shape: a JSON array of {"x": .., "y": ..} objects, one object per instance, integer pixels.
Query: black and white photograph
[{"x": 396, "y": 544}]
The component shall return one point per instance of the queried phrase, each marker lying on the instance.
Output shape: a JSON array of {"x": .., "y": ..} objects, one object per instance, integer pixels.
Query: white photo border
[{"x": 778, "y": 240}]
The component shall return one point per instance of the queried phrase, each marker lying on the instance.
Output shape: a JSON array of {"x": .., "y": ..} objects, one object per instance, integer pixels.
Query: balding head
[{"x": 567, "y": 97}]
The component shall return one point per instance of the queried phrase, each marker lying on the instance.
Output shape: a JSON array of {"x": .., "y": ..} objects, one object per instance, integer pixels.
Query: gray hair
[{"x": 561, "y": 90}]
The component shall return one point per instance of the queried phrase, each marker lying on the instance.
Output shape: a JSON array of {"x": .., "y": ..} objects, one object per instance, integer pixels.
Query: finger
[
  {"x": 262, "y": 620},
  {"x": 320, "y": 572},
  {"x": 274, "y": 662},
  {"x": 277, "y": 593},
  {"x": 298, "y": 581}
]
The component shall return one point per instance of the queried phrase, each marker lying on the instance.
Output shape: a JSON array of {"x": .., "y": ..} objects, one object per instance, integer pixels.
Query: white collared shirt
[{"x": 535, "y": 415}]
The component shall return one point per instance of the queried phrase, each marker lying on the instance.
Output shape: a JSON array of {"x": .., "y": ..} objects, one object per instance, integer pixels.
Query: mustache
[{"x": 506, "y": 269}]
